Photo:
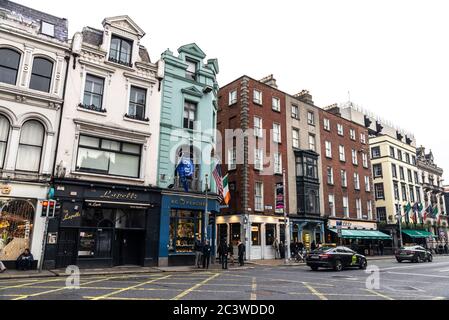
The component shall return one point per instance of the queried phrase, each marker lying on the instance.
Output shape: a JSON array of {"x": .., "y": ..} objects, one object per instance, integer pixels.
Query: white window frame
[
  {"x": 331, "y": 176},
  {"x": 367, "y": 184},
  {"x": 295, "y": 144},
  {"x": 255, "y": 94},
  {"x": 232, "y": 99},
  {"x": 355, "y": 160},
  {"x": 332, "y": 207},
  {"x": 258, "y": 196},
  {"x": 328, "y": 145},
  {"x": 352, "y": 134},
  {"x": 310, "y": 118},
  {"x": 327, "y": 124},
  {"x": 278, "y": 163},
  {"x": 363, "y": 138},
  {"x": 295, "y": 115},
  {"x": 276, "y": 104},
  {"x": 356, "y": 181},
  {"x": 365, "y": 160},
  {"x": 312, "y": 142},
  {"x": 277, "y": 133},
  {"x": 258, "y": 159},
  {"x": 340, "y": 130},
  {"x": 370, "y": 209},
  {"x": 232, "y": 159},
  {"x": 342, "y": 153},
  {"x": 358, "y": 205},
  {"x": 48, "y": 29},
  {"x": 344, "y": 178},
  {"x": 346, "y": 206},
  {"x": 258, "y": 131}
]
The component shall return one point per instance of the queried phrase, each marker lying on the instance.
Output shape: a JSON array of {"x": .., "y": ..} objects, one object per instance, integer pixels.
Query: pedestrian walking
[
  {"x": 282, "y": 250},
  {"x": 381, "y": 248},
  {"x": 198, "y": 252},
  {"x": 231, "y": 253},
  {"x": 242, "y": 251},
  {"x": 206, "y": 255},
  {"x": 224, "y": 255},
  {"x": 276, "y": 249}
]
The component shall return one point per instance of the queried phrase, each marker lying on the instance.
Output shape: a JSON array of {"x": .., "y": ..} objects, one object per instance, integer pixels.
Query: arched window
[
  {"x": 9, "y": 65},
  {"x": 4, "y": 134},
  {"x": 30, "y": 146},
  {"x": 41, "y": 74}
]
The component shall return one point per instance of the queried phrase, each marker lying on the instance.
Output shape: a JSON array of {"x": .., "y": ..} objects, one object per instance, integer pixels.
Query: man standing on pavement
[
  {"x": 206, "y": 255},
  {"x": 198, "y": 252},
  {"x": 381, "y": 248},
  {"x": 242, "y": 251},
  {"x": 224, "y": 255}
]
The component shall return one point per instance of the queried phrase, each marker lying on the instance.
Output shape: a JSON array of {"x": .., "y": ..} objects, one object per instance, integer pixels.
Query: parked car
[
  {"x": 335, "y": 258},
  {"x": 414, "y": 254}
]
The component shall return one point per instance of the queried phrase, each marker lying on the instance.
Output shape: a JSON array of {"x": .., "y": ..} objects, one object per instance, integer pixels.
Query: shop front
[
  {"x": 103, "y": 226},
  {"x": 361, "y": 236},
  {"x": 182, "y": 222},
  {"x": 21, "y": 225},
  {"x": 259, "y": 233},
  {"x": 307, "y": 231}
]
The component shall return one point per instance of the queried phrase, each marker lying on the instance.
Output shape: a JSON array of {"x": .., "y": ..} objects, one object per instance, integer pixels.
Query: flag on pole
[
  {"x": 226, "y": 193},
  {"x": 420, "y": 211},
  {"x": 407, "y": 208},
  {"x": 435, "y": 212},
  {"x": 185, "y": 170},
  {"x": 217, "y": 173}
]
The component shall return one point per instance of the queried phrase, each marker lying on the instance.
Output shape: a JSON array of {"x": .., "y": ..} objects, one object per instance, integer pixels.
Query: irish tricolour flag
[{"x": 226, "y": 194}]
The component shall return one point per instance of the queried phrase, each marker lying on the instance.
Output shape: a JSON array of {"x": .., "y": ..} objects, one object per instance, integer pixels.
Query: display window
[
  {"x": 185, "y": 227},
  {"x": 16, "y": 226}
]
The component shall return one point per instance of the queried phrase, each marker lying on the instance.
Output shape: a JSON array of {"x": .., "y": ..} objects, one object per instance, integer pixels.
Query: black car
[
  {"x": 414, "y": 254},
  {"x": 335, "y": 258}
]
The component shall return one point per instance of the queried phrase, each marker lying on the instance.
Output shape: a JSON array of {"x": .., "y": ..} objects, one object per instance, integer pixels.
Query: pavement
[{"x": 385, "y": 279}]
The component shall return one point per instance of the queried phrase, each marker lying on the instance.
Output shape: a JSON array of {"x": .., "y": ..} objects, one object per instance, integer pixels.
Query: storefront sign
[
  {"x": 117, "y": 195},
  {"x": 345, "y": 224},
  {"x": 188, "y": 202},
  {"x": 69, "y": 217},
  {"x": 279, "y": 198}
]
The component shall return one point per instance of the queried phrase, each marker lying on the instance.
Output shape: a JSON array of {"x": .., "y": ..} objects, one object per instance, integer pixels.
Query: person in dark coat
[
  {"x": 25, "y": 260},
  {"x": 224, "y": 255},
  {"x": 313, "y": 246},
  {"x": 220, "y": 251},
  {"x": 231, "y": 252},
  {"x": 282, "y": 250},
  {"x": 301, "y": 247},
  {"x": 198, "y": 252},
  {"x": 381, "y": 248},
  {"x": 242, "y": 251},
  {"x": 206, "y": 255}
]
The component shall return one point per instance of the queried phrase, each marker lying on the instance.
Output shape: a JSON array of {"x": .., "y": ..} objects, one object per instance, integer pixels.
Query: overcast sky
[{"x": 392, "y": 56}]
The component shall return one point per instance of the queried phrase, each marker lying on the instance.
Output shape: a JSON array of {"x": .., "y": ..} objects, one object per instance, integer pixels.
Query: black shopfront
[{"x": 103, "y": 226}]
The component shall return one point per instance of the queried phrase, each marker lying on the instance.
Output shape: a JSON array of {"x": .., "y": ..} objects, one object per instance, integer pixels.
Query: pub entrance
[
  {"x": 67, "y": 249},
  {"x": 130, "y": 244}
]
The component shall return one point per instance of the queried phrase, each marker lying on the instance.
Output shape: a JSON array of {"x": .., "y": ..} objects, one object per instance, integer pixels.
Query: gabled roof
[
  {"x": 192, "y": 49},
  {"x": 128, "y": 20}
]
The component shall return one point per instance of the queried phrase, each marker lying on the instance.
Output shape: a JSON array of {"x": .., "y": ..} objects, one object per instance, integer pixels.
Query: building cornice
[{"x": 45, "y": 42}]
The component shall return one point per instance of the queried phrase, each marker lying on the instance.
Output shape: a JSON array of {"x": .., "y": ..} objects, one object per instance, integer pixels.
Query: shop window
[
  {"x": 270, "y": 234},
  {"x": 185, "y": 227},
  {"x": 16, "y": 227},
  {"x": 222, "y": 233},
  {"x": 235, "y": 233},
  {"x": 98, "y": 218},
  {"x": 4, "y": 134},
  {"x": 95, "y": 244},
  {"x": 109, "y": 157},
  {"x": 30, "y": 146},
  {"x": 255, "y": 234}
]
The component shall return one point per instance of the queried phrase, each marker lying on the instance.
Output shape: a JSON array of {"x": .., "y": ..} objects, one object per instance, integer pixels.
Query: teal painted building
[{"x": 188, "y": 125}]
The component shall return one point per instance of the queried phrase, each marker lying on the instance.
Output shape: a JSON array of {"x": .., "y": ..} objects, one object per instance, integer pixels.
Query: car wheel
[
  {"x": 363, "y": 264},
  {"x": 314, "y": 268},
  {"x": 338, "y": 266},
  {"x": 430, "y": 258}
]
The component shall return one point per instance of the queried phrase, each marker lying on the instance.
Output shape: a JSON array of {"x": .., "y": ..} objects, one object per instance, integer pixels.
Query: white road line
[
  {"x": 416, "y": 266},
  {"x": 419, "y": 275}
]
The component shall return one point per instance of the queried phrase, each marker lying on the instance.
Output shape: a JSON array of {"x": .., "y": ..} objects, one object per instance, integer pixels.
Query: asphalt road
[{"x": 406, "y": 281}]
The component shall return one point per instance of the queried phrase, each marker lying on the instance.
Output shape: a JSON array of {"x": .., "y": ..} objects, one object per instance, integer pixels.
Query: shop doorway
[
  {"x": 67, "y": 248},
  {"x": 130, "y": 244}
]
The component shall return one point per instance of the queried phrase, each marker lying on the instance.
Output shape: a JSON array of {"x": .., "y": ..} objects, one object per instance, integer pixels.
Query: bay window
[{"x": 104, "y": 156}]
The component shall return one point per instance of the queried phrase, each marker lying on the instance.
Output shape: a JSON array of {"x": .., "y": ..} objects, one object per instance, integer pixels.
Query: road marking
[
  {"x": 29, "y": 284},
  {"x": 60, "y": 289},
  {"x": 314, "y": 291},
  {"x": 419, "y": 275},
  {"x": 125, "y": 299},
  {"x": 253, "y": 290},
  {"x": 379, "y": 294},
  {"x": 415, "y": 266},
  {"x": 198, "y": 285},
  {"x": 445, "y": 270},
  {"x": 129, "y": 288}
]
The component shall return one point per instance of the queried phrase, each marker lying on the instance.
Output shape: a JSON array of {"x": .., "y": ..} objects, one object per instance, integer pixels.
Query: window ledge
[
  {"x": 107, "y": 176},
  {"x": 118, "y": 65},
  {"x": 98, "y": 113},
  {"x": 136, "y": 121}
]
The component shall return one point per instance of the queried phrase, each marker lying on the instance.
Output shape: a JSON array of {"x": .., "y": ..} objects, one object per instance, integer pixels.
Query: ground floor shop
[
  {"x": 262, "y": 235},
  {"x": 309, "y": 231},
  {"x": 361, "y": 236},
  {"x": 21, "y": 224},
  {"x": 183, "y": 221},
  {"x": 103, "y": 226}
]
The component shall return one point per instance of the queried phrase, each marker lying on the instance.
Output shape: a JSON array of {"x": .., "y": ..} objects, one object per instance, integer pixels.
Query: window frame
[
  {"x": 232, "y": 101},
  {"x": 310, "y": 118},
  {"x": 340, "y": 130},
  {"x": 91, "y": 93},
  {"x": 258, "y": 131},
  {"x": 34, "y": 75},
  {"x": 41, "y": 147},
  {"x": 257, "y": 196},
  {"x": 328, "y": 147},
  {"x": 5, "y": 142},
  {"x": 19, "y": 55},
  {"x": 312, "y": 138},
  {"x": 189, "y": 106},
  {"x": 342, "y": 153},
  {"x": 273, "y": 106},
  {"x": 277, "y": 136},
  {"x": 254, "y": 97},
  {"x": 295, "y": 115},
  {"x": 119, "y": 51},
  {"x": 295, "y": 131},
  {"x": 327, "y": 124},
  {"x": 137, "y": 104}
]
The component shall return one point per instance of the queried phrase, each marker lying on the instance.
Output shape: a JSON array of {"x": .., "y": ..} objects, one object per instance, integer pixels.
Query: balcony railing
[
  {"x": 195, "y": 185},
  {"x": 123, "y": 63},
  {"x": 92, "y": 108}
]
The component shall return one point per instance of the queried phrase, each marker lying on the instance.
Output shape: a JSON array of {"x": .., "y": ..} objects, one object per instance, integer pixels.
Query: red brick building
[
  {"x": 347, "y": 178},
  {"x": 255, "y": 163}
]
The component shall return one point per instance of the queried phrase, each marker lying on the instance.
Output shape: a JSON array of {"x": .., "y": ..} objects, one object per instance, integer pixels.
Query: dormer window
[
  {"x": 121, "y": 51},
  {"x": 191, "y": 69},
  {"x": 48, "y": 29}
]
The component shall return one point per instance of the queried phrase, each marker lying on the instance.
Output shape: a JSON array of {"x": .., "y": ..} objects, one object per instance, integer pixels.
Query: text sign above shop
[
  {"x": 342, "y": 224},
  {"x": 117, "y": 195}
]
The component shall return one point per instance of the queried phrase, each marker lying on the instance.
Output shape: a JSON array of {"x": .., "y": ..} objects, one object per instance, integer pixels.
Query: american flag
[{"x": 218, "y": 180}]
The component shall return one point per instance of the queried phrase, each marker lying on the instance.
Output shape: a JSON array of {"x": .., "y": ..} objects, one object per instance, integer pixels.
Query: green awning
[
  {"x": 418, "y": 234},
  {"x": 363, "y": 234}
]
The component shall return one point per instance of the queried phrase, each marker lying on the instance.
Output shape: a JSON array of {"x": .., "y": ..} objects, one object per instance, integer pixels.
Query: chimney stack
[
  {"x": 334, "y": 109},
  {"x": 304, "y": 96},
  {"x": 270, "y": 80}
]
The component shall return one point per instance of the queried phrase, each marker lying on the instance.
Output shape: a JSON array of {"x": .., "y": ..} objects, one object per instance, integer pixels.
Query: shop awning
[
  {"x": 363, "y": 234},
  {"x": 418, "y": 234}
]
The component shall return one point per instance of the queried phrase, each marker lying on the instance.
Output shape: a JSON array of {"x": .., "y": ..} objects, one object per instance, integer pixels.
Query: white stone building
[{"x": 33, "y": 48}]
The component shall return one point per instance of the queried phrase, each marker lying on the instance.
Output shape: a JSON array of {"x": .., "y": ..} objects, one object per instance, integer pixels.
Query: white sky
[{"x": 393, "y": 56}]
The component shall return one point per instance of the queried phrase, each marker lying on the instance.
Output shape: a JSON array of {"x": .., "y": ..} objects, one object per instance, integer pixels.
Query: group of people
[
  {"x": 23, "y": 262},
  {"x": 225, "y": 252}
]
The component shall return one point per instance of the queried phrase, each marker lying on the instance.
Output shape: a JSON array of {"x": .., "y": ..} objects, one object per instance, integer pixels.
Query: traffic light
[{"x": 48, "y": 208}]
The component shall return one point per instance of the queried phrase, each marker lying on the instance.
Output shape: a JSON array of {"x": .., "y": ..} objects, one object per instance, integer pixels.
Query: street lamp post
[{"x": 399, "y": 216}]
